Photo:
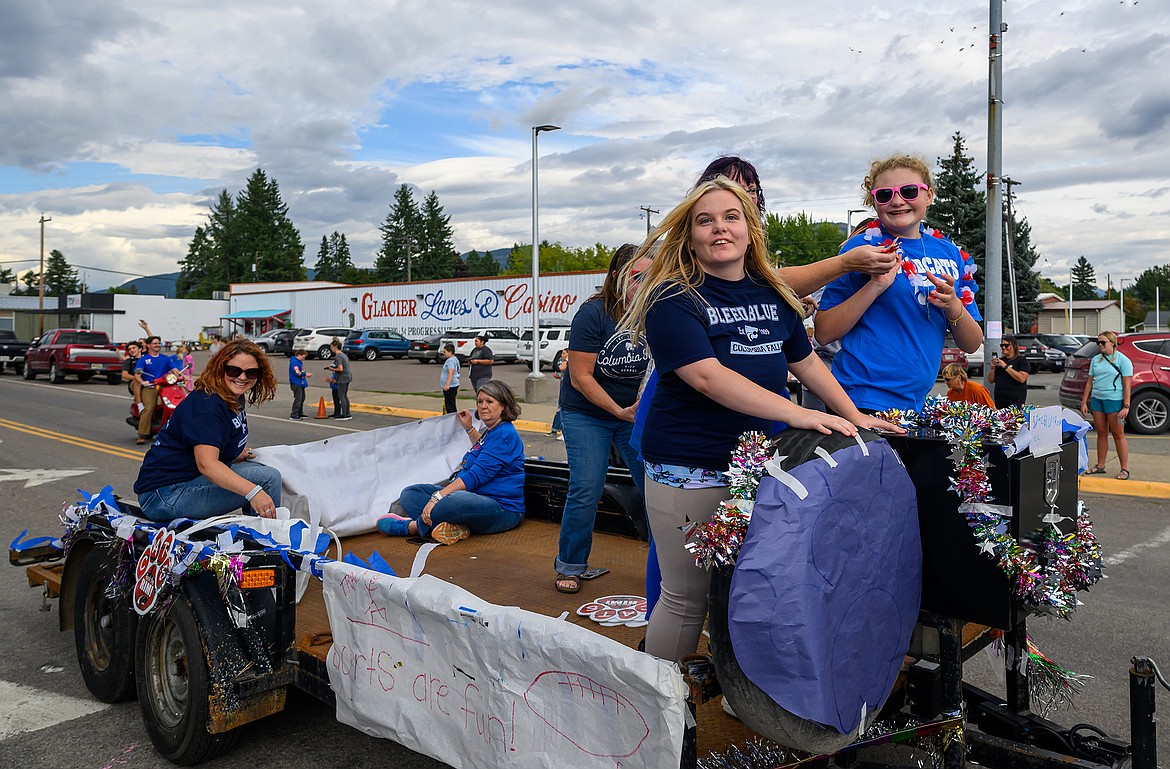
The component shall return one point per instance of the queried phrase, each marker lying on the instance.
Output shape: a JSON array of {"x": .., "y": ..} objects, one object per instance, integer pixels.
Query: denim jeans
[
  {"x": 298, "y": 405},
  {"x": 200, "y": 498},
  {"x": 587, "y": 442},
  {"x": 483, "y": 515},
  {"x": 341, "y": 400}
]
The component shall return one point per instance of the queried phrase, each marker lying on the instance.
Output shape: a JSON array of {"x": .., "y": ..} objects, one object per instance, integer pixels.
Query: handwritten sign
[
  {"x": 431, "y": 666},
  {"x": 1045, "y": 426},
  {"x": 152, "y": 569}
]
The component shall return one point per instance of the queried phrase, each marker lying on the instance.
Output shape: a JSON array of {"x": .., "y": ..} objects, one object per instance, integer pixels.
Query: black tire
[
  {"x": 399, "y": 356},
  {"x": 371, "y": 353},
  {"x": 114, "y": 379},
  {"x": 173, "y": 686},
  {"x": 28, "y": 373},
  {"x": 324, "y": 352},
  {"x": 18, "y": 368},
  {"x": 55, "y": 375},
  {"x": 103, "y": 631},
  {"x": 1149, "y": 413},
  {"x": 84, "y": 377}
]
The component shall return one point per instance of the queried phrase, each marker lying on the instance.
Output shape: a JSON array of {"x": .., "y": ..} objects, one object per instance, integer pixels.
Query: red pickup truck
[{"x": 73, "y": 351}]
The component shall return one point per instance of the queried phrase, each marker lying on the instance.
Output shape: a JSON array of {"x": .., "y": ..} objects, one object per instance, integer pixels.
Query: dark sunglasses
[
  {"x": 1102, "y": 341},
  {"x": 234, "y": 372},
  {"x": 1004, "y": 344},
  {"x": 884, "y": 195}
]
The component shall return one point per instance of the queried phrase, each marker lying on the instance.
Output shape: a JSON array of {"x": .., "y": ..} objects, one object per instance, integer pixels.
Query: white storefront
[{"x": 422, "y": 308}]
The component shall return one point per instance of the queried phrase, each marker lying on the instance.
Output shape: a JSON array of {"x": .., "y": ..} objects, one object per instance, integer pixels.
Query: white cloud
[{"x": 646, "y": 96}]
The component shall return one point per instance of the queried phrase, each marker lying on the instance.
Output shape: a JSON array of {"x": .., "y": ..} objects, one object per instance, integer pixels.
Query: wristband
[
  {"x": 437, "y": 496},
  {"x": 255, "y": 490},
  {"x": 468, "y": 430}
]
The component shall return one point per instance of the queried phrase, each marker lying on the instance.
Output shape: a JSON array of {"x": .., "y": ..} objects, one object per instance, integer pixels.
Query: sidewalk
[{"x": 1151, "y": 472}]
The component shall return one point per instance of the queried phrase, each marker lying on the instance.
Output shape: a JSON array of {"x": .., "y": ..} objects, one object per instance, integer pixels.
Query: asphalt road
[{"x": 56, "y": 439}]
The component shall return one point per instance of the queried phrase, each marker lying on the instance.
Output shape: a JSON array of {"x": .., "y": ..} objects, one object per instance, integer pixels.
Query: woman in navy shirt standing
[
  {"x": 198, "y": 466},
  {"x": 724, "y": 329}
]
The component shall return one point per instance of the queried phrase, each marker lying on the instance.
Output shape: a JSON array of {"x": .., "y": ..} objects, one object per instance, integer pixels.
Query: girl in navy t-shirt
[{"x": 724, "y": 329}]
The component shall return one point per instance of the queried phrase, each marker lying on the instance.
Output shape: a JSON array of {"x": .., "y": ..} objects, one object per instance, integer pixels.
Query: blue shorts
[{"x": 1105, "y": 407}]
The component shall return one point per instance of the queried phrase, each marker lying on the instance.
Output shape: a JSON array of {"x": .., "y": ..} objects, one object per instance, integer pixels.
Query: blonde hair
[
  {"x": 1111, "y": 336},
  {"x": 675, "y": 262},
  {"x": 953, "y": 370},
  {"x": 897, "y": 160}
]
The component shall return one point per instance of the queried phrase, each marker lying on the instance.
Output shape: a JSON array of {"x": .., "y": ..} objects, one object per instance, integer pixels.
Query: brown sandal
[
  {"x": 1123, "y": 475},
  {"x": 573, "y": 583}
]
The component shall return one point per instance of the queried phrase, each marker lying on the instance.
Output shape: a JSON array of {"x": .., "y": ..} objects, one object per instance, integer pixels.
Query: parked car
[
  {"x": 1149, "y": 401},
  {"x": 266, "y": 340},
  {"x": 282, "y": 341},
  {"x": 426, "y": 350},
  {"x": 78, "y": 352},
  {"x": 554, "y": 341},
  {"x": 1066, "y": 343},
  {"x": 12, "y": 352},
  {"x": 1042, "y": 356},
  {"x": 975, "y": 362},
  {"x": 315, "y": 341},
  {"x": 373, "y": 343},
  {"x": 952, "y": 353},
  {"x": 504, "y": 342}
]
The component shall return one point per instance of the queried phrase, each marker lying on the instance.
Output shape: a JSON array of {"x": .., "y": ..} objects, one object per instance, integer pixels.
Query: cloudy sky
[{"x": 122, "y": 120}]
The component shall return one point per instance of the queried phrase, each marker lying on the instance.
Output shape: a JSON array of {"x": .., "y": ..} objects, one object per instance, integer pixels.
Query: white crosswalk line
[{"x": 27, "y": 709}]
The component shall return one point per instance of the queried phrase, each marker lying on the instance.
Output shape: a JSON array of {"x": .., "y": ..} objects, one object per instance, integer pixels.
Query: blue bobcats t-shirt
[
  {"x": 748, "y": 328},
  {"x": 154, "y": 366},
  {"x": 891, "y": 356},
  {"x": 620, "y": 363},
  {"x": 202, "y": 419},
  {"x": 296, "y": 372}
]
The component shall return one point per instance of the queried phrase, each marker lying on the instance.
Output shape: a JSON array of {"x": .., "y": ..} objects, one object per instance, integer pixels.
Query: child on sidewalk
[
  {"x": 298, "y": 379},
  {"x": 449, "y": 378}
]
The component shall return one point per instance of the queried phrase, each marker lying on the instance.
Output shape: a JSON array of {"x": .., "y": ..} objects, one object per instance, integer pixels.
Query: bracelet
[
  {"x": 468, "y": 430},
  {"x": 437, "y": 496},
  {"x": 957, "y": 318},
  {"x": 255, "y": 490}
]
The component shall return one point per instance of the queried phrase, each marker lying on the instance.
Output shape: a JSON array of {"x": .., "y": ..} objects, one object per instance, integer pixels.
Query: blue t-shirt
[
  {"x": 494, "y": 467},
  {"x": 296, "y": 372},
  {"x": 154, "y": 366},
  {"x": 450, "y": 364},
  {"x": 748, "y": 328},
  {"x": 202, "y": 419},
  {"x": 1107, "y": 380},
  {"x": 891, "y": 356},
  {"x": 620, "y": 363}
]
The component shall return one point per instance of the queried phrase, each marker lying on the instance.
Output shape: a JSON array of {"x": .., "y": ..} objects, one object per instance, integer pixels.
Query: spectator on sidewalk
[
  {"x": 298, "y": 380},
  {"x": 959, "y": 388},
  {"x": 479, "y": 362},
  {"x": 449, "y": 378},
  {"x": 343, "y": 375},
  {"x": 1009, "y": 374}
]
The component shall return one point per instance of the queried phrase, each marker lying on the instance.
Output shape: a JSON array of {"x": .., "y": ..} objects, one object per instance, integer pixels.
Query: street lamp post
[
  {"x": 849, "y": 219},
  {"x": 1121, "y": 300},
  {"x": 536, "y": 384}
]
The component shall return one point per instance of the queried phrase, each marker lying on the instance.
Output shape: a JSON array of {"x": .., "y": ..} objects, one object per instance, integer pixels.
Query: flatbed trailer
[{"x": 200, "y": 674}]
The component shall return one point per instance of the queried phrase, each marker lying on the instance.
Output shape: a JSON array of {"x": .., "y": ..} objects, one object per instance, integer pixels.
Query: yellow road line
[{"x": 72, "y": 440}]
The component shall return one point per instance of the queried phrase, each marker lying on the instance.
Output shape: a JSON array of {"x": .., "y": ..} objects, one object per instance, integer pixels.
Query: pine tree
[
  {"x": 482, "y": 265},
  {"x": 60, "y": 278},
  {"x": 270, "y": 245},
  {"x": 7, "y": 275},
  {"x": 436, "y": 249},
  {"x": 461, "y": 269},
  {"x": 1024, "y": 258},
  {"x": 1145, "y": 285},
  {"x": 213, "y": 259},
  {"x": 1084, "y": 280},
  {"x": 400, "y": 235},
  {"x": 334, "y": 262}
]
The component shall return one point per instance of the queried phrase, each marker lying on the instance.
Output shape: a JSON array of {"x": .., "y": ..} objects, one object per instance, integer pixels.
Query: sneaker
[
  {"x": 141, "y": 440},
  {"x": 296, "y": 418},
  {"x": 450, "y": 533},
  {"x": 561, "y": 437},
  {"x": 344, "y": 419},
  {"x": 394, "y": 525}
]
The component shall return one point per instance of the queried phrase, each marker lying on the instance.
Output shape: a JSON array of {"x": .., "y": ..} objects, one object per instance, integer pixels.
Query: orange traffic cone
[{"x": 321, "y": 409}]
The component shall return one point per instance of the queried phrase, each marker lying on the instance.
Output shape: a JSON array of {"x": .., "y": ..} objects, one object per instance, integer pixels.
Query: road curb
[
  {"x": 523, "y": 425},
  {"x": 1130, "y": 488}
]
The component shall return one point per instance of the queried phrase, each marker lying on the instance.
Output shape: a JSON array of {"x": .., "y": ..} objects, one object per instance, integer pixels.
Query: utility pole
[
  {"x": 409, "y": 245},
  {"x": 1011, "y": 250},
  {"x": 993, "y": 224},
  {"x": 41, "y": 303},
  {"x": 648, "y": 211}
]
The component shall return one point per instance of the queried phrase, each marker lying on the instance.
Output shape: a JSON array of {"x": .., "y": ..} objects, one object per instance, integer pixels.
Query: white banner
[
  {"x": 433, "y": 667},
  {"x": 347, "y": 482}
]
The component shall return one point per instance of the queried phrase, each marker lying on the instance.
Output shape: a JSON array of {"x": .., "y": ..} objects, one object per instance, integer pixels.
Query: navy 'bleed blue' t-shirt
[
  {"x": 202, "y": 419},
  {"x": 748, "y": 328},
  {"x": 620, "y": 363}
]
